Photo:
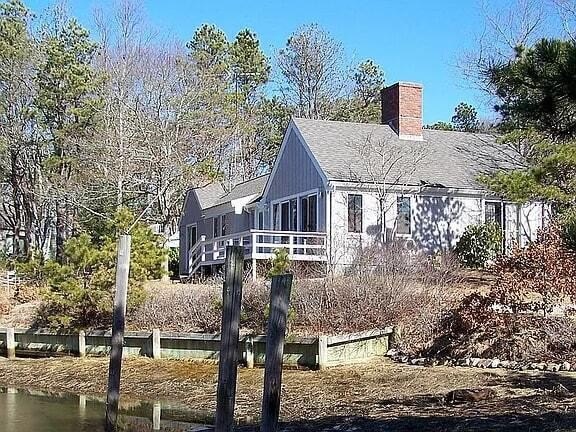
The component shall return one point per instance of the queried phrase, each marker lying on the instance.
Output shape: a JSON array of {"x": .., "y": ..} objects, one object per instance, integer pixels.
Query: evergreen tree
[{"x": 465, "y": 118}]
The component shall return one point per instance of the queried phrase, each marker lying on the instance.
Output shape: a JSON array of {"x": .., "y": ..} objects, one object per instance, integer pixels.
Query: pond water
[{"x": 34, "y": 411}]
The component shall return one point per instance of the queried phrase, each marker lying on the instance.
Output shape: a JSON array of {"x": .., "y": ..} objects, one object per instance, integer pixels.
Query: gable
[{"x": 295, "y": 171}]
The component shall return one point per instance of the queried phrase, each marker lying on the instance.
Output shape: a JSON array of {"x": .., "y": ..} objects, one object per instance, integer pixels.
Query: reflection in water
[{"x": 31, "y": 411}]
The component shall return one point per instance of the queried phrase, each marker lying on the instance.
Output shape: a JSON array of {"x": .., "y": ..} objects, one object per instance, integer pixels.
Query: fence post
[
  {"x": 82, "y": 344},
  {"x": 395, "y": 336},
  {"x": 322, "y": 352},
  {"x": 156, "y": 344},
  {"x": 156, "y": 415},
  {"x": 228, "y": 362},
  {"x": 118, "y": 323},
  {"x": 249, "y": 349},
  {"x": 275, "y": 335},
  {"x": 10, "y": 344}
]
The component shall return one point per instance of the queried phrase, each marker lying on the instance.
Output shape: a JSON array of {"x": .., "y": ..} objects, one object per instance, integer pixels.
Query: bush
[
  {"x": 280, "y": 263},
  {"x": 79, "y": 293},
  {"x": 479, "y": 244}
]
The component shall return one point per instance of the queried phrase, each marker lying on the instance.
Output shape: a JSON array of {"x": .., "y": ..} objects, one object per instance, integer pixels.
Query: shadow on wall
[{"x": 436, "y": 223}]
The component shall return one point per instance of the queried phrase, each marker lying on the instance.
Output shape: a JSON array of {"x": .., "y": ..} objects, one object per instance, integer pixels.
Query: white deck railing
[{"x": 259, "y": 244}]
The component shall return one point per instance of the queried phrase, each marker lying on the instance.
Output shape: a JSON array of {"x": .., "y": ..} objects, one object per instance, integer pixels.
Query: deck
[{"x": 258, "y": 245}]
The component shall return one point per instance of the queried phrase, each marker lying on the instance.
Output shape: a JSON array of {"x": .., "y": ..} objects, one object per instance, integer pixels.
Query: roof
[
  {"x": 214, "y": 194},
  {"x": 364, "y": 152}
]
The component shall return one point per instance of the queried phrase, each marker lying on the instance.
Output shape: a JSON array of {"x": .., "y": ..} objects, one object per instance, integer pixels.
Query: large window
[
  {"x": 403, "y": 216},
  {"x": 293, "y": 214},
  {"x": 308, "y": 213},
  {"x": 285, "y": 216},
  {"x": 223, "y": 225},
  {"x": 216, "y": 227},
  {"x": 354, "y": 213}
]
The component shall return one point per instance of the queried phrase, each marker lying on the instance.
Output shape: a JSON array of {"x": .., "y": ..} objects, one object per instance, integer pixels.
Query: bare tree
[{"x": 314, "y": 74}]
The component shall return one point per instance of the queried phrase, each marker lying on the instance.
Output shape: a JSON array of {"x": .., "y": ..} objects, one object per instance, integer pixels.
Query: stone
[
  {"x": 494, "y": 363},
  {"x": 404, "y": 359},
  {"x": 565, "y": 366},
  {"x": 392, "y": 352},
  {"x": 486, "y": 363},
  {"x": 513, "y": 365},
  {"x": 541, "y": 366},
  {"x": 527, "y": 366},
  {"x": 418, "y": 361},
  {"x": 552, "y": 367},
  {"x": 504, "y": 364},
  {"x": 474, "y": 362}
]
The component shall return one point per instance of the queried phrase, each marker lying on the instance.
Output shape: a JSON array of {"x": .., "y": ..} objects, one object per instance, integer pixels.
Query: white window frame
[{"x": 298, "y": 197}]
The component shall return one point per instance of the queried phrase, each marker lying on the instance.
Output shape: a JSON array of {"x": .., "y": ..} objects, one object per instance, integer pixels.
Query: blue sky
[{"x": 413, "y": 40}]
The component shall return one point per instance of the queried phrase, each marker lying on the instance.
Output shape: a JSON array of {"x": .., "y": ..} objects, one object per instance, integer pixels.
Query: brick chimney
[{"x": 402, "y": 109}]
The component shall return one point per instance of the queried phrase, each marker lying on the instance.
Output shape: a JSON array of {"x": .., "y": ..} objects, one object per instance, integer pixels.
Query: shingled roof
[
  {"x": 214, "y": 194},
  {"x": 363, "y": 152}
]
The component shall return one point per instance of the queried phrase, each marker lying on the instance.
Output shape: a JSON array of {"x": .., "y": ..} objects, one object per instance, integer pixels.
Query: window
[
  {"x": 216, "y": 227},
  {"x": 304, "y": 214},
  {"x": 493, "y": 212},
  {"x": 403, "y": 215},
  {"x": 191, "y": 235},
  {"x": 354, "y": 213},
  {"x": 223, "y": 225},
  {"x": 261, "y": 220},
  {"x": 276, "y": 217},
  {"x": 293, "y": 214},
  {"x": 284, "y": 217},
  {"x": 308, "y": 215}
]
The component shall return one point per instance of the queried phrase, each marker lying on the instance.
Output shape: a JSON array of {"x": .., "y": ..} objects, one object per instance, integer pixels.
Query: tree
[
  {"x": 312, "y": 65},
  {"x": 538, "y": 88},
  {"x": 465, "y": 118},
  {"x": 441, "y": 125},
  {"x": 364, "y": 104},
  {"x": 67, "y": 102}
]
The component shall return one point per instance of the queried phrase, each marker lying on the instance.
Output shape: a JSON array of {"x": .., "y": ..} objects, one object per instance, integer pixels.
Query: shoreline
[{"x": 376, "y": 396}]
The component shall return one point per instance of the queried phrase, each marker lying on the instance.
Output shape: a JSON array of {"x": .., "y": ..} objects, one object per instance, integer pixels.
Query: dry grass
[{"x": 396, "y": 397}]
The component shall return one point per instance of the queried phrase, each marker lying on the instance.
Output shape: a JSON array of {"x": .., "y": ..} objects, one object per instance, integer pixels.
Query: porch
[{"x": 258, "y": 245}]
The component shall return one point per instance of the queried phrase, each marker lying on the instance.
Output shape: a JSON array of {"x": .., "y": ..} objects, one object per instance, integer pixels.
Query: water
[{"x": 33, "y": 411}]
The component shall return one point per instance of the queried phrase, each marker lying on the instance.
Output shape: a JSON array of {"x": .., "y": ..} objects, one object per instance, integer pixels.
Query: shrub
[
  {"x": 79, "y": 293},
  {"x": 280, "y": 263},
  {"x": 479, "y": 244}
]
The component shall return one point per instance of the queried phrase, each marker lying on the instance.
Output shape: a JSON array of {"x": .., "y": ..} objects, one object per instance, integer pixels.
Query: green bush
[
  {"x": 280, "y": 263},
  {"x": 479, "y": 244},
  {"x": 79, "y": 293}
]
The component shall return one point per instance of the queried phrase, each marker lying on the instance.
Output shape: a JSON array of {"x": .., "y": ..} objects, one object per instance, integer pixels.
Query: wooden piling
[
  {"x": 118, "y": 324},
  {"x": 82, "y": 344},
  {"x": 249, "y": 350},
  {"x": 322, "y": 352},
  {"x": 156, "y": 353},
  {"x": 275, "y": 335},
  {"x": 10, "y": 344},
  {"x": 228, "y": 362}
]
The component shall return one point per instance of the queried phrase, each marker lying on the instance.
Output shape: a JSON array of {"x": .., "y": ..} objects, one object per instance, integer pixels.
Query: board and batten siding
[
  {"x": 192, "y": 213},
  {"x": 296, "y": 174}
]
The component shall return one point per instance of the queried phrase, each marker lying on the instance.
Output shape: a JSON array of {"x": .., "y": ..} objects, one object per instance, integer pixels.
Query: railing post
[
  {"x": 203, "y": 248},
  {"x": 249, "y": 349},
  {"x": 291, "y": 245}
]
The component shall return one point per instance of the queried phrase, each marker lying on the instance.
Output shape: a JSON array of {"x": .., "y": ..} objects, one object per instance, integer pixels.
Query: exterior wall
[
  {"x": 437, "y": 222},
  {"x": 532, "y": 217},
  {"x": 192, "y": 213}
]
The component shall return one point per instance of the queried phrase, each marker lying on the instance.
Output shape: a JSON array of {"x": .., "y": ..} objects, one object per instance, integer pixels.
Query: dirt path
[{"x": 380, "y": 396}]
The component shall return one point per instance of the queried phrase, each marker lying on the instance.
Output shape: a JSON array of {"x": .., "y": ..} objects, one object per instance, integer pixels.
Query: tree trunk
[{"x": 61, "y": 217}]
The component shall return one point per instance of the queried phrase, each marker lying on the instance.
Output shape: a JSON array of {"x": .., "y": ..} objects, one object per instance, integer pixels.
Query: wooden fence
[{"x": 305, "y": 352}]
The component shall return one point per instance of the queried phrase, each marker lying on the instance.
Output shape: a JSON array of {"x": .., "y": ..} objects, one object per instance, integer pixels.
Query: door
[{"x": 192, "y": 238}]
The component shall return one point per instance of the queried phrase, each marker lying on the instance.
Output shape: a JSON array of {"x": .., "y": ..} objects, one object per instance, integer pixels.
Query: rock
[
  {"x": 469, "y": 395},
  {"x": 504, "y": 364},
  {"x": 494, "y": 363},
  {"x": 540, "y": 366},
  {"x": 527, "y": 366},
  {"x": 565, "y": 366},
  {"x": 513, "y": 365},
  {"x": 474, "y": 362},
  {"x": 462, "y": 362},
  {"x": 392, "y": 352},
  {"x": 552, "y": 367},
  {"x": 404, "y": 359},
  {"x": 418, "y": 361},
  {"x": 485, "y": 363}
]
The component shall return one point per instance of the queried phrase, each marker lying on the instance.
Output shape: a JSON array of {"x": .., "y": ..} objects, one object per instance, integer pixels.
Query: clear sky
[{"x": 413, "y": 40}]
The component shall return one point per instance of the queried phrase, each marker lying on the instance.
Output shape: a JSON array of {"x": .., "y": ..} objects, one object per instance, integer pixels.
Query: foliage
[
  {"x": 174, "y": 262},
  {"x": 465, "y": 118},
  {"x": 80, "y": 291},
  {"x": 479, "y": 244},
  {"x": 537, "y": 88},
  {"x": 280, "y": 262}
]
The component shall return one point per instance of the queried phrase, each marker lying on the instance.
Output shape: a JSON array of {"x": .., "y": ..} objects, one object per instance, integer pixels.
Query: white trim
[{"x": 292, "y": 127}]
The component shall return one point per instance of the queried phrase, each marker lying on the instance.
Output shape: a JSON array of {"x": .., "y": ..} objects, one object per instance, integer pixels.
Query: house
[{"x": 337, "y": 187}]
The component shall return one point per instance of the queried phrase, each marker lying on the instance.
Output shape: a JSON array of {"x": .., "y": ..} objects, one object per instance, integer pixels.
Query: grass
[{"x": 376, "y": 396}]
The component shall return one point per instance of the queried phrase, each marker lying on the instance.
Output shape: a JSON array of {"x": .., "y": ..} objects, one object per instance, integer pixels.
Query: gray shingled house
[{"x": 337, "y": 187}]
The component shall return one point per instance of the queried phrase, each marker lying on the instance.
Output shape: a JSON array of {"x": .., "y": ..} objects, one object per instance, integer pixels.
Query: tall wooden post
[
  {"x": 228, "y": 362},
  {"x": 279, "y": 303},
  {"x": 114, "y": 371}
]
